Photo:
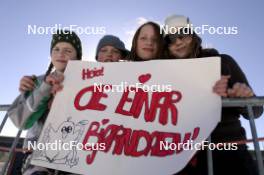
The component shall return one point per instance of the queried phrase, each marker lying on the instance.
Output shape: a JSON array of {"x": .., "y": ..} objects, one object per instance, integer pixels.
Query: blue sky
[{"x": 26, "y": 54}]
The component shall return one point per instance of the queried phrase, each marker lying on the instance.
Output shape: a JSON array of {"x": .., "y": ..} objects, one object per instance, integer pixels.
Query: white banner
[{"x": 130, "y": 117}]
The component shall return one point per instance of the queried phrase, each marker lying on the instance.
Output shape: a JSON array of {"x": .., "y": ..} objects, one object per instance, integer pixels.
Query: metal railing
[
  {"x": 13, "y": 147},
  {"x": 249, "y": 103},
  {"x": 226, "y": 102}
]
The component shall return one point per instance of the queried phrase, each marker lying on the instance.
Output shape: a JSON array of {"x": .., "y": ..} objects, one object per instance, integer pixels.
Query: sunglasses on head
[{"x": 181, "y": 34}]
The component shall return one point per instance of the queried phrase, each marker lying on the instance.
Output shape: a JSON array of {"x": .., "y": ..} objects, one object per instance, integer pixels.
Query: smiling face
[
  {"x": 147, "y": 43},
  {"x": 109, "y": 54},
  {"x": 181, "y": 47},
  {"x": 61, "y": 53}
]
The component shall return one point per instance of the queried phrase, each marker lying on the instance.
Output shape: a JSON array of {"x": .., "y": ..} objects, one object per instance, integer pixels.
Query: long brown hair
[{"x": 158, "y": 32}]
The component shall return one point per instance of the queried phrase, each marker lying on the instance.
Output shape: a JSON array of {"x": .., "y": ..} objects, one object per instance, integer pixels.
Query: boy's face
[
  {"x": 109, "y": 54},
  {"x": 181, "y": 47},
  {"x": 61, "y": 53}
]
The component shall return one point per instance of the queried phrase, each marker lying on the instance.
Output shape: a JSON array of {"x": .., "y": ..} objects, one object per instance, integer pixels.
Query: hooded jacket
[
  {"x": 230, "y": 128},
  {"x": 30, "y": 109}
]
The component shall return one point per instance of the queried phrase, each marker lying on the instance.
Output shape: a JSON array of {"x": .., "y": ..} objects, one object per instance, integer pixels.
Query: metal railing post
[
  {"x": 11, "y": 152},
  {"x": 209, "y": 154},
  {"x": 3, "y": 108},
  {"x": 255, "y": 140},
  {"x": 3, "y": 122},
  {"x": 249, "y": 103}
]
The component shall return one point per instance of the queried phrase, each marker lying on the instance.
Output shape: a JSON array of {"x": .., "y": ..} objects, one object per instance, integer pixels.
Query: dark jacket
[{"x": 230, "y": 129}]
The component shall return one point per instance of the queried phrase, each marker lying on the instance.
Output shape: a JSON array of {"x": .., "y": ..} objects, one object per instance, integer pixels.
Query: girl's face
[
  {"x": 181, "y": 47},
  {"x": 147, "y": 46},
  {"x": 61, "y": 53},
  {"x": 109, "y": 54}
]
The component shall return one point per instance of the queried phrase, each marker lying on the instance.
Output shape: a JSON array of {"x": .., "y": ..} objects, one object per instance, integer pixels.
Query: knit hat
[
  {"x": 69, "y": 37},
  {"x": 111, "y": 40},
  {"x": 174, "y": 23}
]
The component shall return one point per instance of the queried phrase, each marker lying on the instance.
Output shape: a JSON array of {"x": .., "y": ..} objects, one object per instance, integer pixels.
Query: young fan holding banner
[
  {"x": 31, "y": 107},
  {"x": 185, "y": 44},
  {"x": 147, "y": 43},
  {"x": 110, "y": 49}
]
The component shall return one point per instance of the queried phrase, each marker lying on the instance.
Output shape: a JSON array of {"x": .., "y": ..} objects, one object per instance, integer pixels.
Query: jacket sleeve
[
  {"x": 238, "y": 76},
  {"x": 30, "y": 106}
]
